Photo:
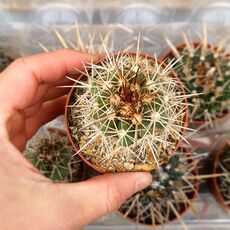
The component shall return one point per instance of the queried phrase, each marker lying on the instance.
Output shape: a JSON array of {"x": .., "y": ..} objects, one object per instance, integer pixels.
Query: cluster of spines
[
  {"x": 204, "y": 69},
  {"x": 86, "y": 45},
  {"x": 130, "y": 101}
]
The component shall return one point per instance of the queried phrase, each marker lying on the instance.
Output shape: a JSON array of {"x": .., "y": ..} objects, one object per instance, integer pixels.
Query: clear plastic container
[{"x": 24, "y": 24}]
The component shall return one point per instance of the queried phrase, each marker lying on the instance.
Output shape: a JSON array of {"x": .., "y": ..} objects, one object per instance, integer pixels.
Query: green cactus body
[
  {"x": 169, "y": 195},
  {"x": 204, "y": 70},
  {"x": 53, "y": 156},
  {"x": 128, "y": 114}
]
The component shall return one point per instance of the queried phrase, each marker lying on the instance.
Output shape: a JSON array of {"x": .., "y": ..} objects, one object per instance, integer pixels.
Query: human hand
[{"x": 29, "y": 99}]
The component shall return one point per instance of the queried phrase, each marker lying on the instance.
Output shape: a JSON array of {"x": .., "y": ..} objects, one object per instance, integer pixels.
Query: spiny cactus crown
[
  {"x": 204, "y": 69},
  {"x": 131, "y": 107},
  {"x": 168, "y": 195},
  {"x": 53, "y": 157}
]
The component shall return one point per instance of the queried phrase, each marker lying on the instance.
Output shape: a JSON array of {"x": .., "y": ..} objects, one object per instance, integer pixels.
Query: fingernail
[
  {"x": 91, "y": 58},
  {"x": 98, "y": 57},
  {"x": 101, "y": 55},
  {"x": 144, "y": 180}
]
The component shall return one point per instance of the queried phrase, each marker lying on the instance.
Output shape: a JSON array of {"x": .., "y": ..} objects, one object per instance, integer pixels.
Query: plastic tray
[{"x": 23, "y": 24}]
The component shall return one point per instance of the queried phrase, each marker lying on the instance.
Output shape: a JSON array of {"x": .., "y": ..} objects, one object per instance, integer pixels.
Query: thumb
[{"x": 101, "y": 195}]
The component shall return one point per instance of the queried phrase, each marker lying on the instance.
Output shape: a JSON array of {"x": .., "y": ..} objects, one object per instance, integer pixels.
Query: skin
[{"x": 29, "y": 99}]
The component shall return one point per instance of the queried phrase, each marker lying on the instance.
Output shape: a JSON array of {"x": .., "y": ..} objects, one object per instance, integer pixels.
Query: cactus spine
[
  {"x": 127, "y": 113},
  {"x": 204, "y": 69}
]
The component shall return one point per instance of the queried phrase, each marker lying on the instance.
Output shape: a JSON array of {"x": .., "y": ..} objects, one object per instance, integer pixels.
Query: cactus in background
[
  {"x": 222, "y": 183},
  {"x": 204, "y": 69},
  {"x": 53, "y": 156},
  {"x": 170, "y": 194},
  {"x": 127, "y": 113},
  {"x": 4, "y": 61},
  {"x": 86, "y": 44}
]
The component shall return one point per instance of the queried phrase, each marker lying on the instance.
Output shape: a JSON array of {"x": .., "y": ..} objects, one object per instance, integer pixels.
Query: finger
[
  {"x": 15, "y": 163},
  {"x": 51, "y": 94},
  {"x": 31, "y": 111},
  {"x": 65, "y": 81},
  {"x": 48, "y": 112},
  {"x": 20, "y": 81},
  {"x": 57, "y": 89},
  {"x": 104, "y": 194},
  {"x": 48, "y": 92},
  {"x": 40, "y": 94},
  {"x": 55, "y": 92}
]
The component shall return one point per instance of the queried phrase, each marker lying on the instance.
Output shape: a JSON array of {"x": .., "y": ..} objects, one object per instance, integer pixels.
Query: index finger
[{"x": 20, "y": 81}]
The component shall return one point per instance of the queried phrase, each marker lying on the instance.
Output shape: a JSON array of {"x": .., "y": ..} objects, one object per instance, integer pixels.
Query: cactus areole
[{"x": 128, "y": 112}]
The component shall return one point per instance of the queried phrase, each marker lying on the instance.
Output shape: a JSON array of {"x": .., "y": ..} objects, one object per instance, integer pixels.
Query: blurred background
[{"x": 153, "y": 19}]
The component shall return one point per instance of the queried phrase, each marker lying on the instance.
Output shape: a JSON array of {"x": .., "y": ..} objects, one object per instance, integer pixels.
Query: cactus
[
  {"x": 170, "y": 194},
  {"x": 4, "y": 61},
  {"x": 53, "y": 156},
  {"x": 204, "y": 69},
  {"x": 223, "y": 182},
  {"x": 86, "y": 45},
  {"x": 127, "y": 113}
]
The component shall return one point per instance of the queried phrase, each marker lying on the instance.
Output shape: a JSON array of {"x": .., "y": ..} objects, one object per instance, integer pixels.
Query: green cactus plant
[
  {"x": 4, "y": 61},
  {"x": 222, "y": 183},
  {"x": 127, "y": 113},
  {"x": 204, "y": 69},
  {"x": 53, "y": 156},
  {"x": 173, "y": 188}
]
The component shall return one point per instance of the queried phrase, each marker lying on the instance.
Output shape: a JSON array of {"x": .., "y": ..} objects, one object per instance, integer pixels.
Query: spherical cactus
[
  {"x": 126, "y": 113},
  {"x": 53, "y": 156},
  {"x": 173, "y": 188},
  {"x": 204, "y": 69}
]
